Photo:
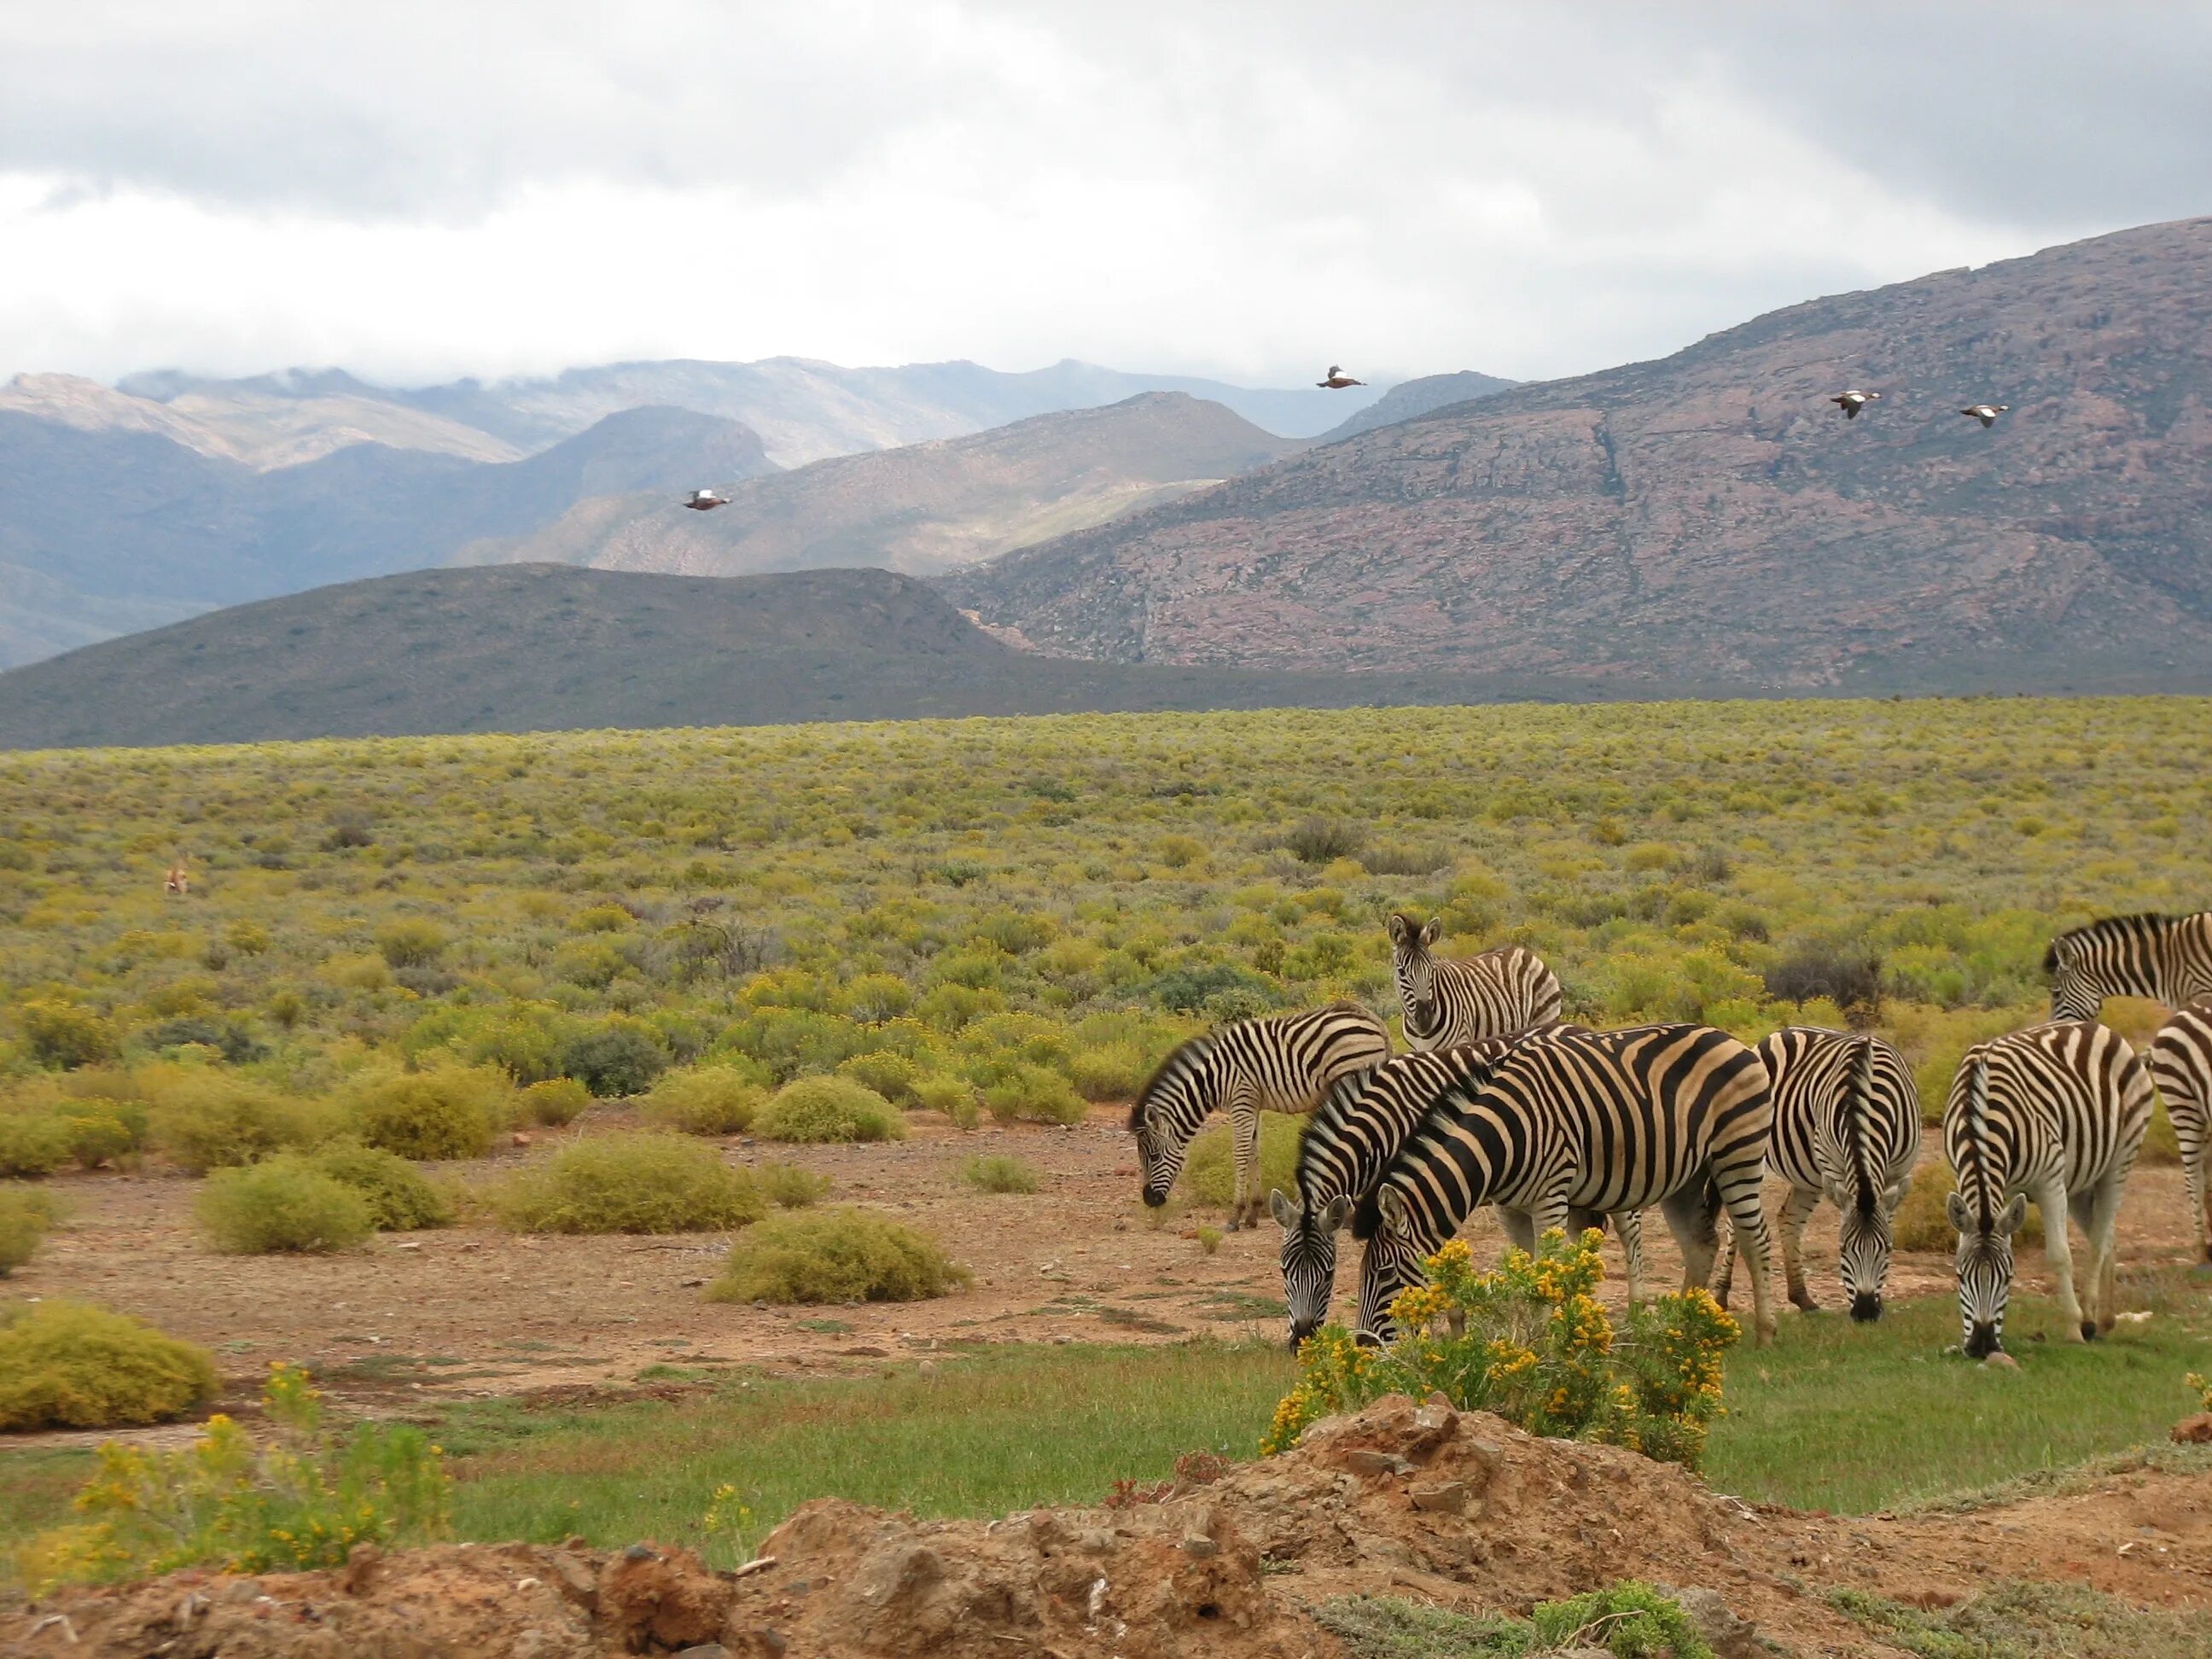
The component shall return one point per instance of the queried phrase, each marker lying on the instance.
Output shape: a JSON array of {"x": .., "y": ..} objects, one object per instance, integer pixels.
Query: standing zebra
[
  {"x": 1354, "y": 1134},
  {"x": 2055, "y": 1113},
  {"x": 1846, "y": 1126},
  {"x": 2168, "y": 958},
  {"x": 1278, "y": 1063},
  {"x": 1607, "y": 1121},
  {"x": 2180, "y": 1061},
  {"x": 1496, "y": 993}
]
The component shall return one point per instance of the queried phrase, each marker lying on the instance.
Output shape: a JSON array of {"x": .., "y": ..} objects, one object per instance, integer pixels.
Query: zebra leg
[
  {"x": 1797, "y": 1210},
  {"x": 1723, "y": 1279},
  {"x": 1244, "y": 1117},
  {"x": 1689, "y": 1216},
  {"x": 2050, "y": 1205},
  {"x": 2189, "y": 1132},
  {"x": 1630, "y": 1223},
  {"x": 1520, "y": 1228},
  {"x": 1740, "y": 1193},
  {"x": 2102, "y": 1222}
]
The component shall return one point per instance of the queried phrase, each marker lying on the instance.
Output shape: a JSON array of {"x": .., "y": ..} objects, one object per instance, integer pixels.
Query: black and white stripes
[
  {"x": 1278, "y": 1063},
  {"x": 2180, "y": 1061},
  {"x": 2168, "y": 958},
  {"x": 2056, "y": 1114},
  {"x": 1446, "y": 1002}
]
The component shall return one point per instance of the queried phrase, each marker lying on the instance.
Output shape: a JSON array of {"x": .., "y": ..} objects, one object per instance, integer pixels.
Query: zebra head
[
  {"x": 1411, "y": 963},
  {"x": 1308, "y": 1257},
  {"x": 1397, "y": 1243},
  {"x": 1984, "y": 1270},
  {"x": 1168, "y": 1110},
  {"x": 1864, "y": 1239},
  {"x": 2076, "y": 991}
]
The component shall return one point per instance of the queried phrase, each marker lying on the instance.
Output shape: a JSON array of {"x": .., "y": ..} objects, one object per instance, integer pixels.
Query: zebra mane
[
  {"x": 1853, "y": 1121},
  {"x": 1182, "y": 1059},
  {"x": 2104, "y": 928},
  {"x": 1973, "y": 1144},
  {"x": 1328, "y": 1118}
]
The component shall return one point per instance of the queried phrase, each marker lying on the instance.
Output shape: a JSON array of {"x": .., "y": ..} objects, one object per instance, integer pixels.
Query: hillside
[
  {"x": 535, "y": 648},
  {"x": 1403, "y": 401},
  {"x": 1711, "y": 515},
  {"x": 106, "y": 529},
  {"x": 923, "y": 507}
]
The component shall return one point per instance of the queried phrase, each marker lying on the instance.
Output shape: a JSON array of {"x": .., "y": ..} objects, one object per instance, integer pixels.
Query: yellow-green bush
[
  {"x": 207, "y": 1119},
  {"x": 449, "y": 1111},
  {"x": 282, "y": 1206},
  {"x": 410, "y": 942},
  {"x": 892, "y": 1075},
  {"x": 1022, "y": 1092},
  {"x": 630, "y": 1183},
  {"x": 63, "y": 1036},
  {"x": 1921, "y": 1222},
  {"x": 999, "y": 1173},
  {"x": 827, "y": 1109},
  {"x": 955, "y": 1097},
  {"x": 555, "y": 1101},
  {"x": 1209, "y": 1170},
  {"x": 789, "y": 1187},
  {"x": 33, "y": 1142},
  {"x": 1115, "y": 1071},
  {"x": 26, "y": 1216},
  {"x": 702, "y": 1100},
  {"x": 838, "y": 1254},
  {"x": 399, "y": 1198},
  {"x": 68, "y": 1364}
]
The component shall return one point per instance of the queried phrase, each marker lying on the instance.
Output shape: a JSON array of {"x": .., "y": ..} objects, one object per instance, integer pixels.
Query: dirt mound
[{"x": 1402, "y": 1499}]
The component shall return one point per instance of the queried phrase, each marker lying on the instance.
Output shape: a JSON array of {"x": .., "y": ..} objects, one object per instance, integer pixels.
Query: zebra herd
[{"x": 1499, "y": 1103}]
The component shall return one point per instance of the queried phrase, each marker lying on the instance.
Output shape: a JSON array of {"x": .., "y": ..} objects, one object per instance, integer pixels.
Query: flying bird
[
  {"x": 1338, "y": 379},
  {"x": 1985, "y": 413},
  {"x": 706, "y": 500},
  {"x": 1853, "y": 401}
]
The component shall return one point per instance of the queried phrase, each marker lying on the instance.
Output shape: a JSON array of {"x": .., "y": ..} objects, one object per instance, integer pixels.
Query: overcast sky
[{"x": 480, "y": 186}]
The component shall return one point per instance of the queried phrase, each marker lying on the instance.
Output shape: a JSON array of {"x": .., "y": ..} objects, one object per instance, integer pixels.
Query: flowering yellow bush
[
  {"x": 2204, "y": 1386},
  {"x": 302, "y": 1498},
  {"x": 1529, "y": 1342}
]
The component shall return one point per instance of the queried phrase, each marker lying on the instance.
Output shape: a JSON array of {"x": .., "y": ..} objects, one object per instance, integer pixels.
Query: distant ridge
[{"x": 1408, "y": 398}]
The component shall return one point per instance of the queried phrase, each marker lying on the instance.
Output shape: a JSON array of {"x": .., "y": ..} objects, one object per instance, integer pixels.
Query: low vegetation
[
  {"x": 790, "y": 1187},
  {"x": 553, "y": 1102},
  {"x": 1923, "y": 1223},
  {"x": 704, "y": 1100},
  {"x": 2025, "y": 1619},
  {"x": 998, "y": 1172},
  {"x": 445, "y": 1112},
  {"x": 26, "y": 1215},
  {"x": 286, "y": 1204},
  {"x": 835, "y": 1255},
  {"x": 67, "y": 1364},
  {"x": 398, "y": 1197},
  {"x": 828, "y": 1108},
  {"x": 630, "y": 1183},
  {"x": 1629, "y": 1620},
  {"x": 1210, "y": 1168}
]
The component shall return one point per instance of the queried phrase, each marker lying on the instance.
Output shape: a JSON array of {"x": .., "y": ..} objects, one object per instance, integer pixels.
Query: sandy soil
[{"x": 470, "y": 1312}]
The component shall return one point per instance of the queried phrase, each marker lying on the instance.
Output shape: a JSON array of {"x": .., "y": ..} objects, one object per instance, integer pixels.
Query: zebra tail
[{"x": 1857, "y": 1124}]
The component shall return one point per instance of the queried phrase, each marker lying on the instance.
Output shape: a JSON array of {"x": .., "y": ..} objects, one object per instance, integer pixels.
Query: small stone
[
  {"x": 639, "y": 1553},
  {"x": 2194, "y": 1430},
  {"x": 1095, "y": 1541},
  {"x": 1365, "y": 1460},
  {"x": 1728, "y": 1633},
  {"x": 928, "y": 1368},
  {"x": 577, "y": 1582},
  {"x": 688, "y": 1284},
  {"x": 522, "y": 1137},
  {"x": 1198, "y": 1545},
  {"x": 1445, "y": 1497},
  {"x": 2001, "y": 1361},
  {"x": 704, "y": 1651}
]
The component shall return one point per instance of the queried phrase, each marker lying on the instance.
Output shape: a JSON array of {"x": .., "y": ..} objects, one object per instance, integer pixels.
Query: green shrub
[
  {"x": 410, "y": 942},
  {"x": 282, "y": 1206},
  {"x": 33, "y": 1142},
  {"x": 616, "y": 1057},
  {"x": 1033, "y": 1094},
  {"x": 451, "y": 1111},
  {"x": 555, "y": 1101},
  {"x": 703, "y": 1100},
  {"x": 837, "y": 1255},
  {"x": 952, "y": 1096},
  {"x": 825, "y": 1109},
  {"x": 1209, "y": 1170},
  {"x": 102, "y": 1131},
  {"x": 26, "y": 1215},
  {"x": 1628, "y": 1620},
  {"x": 399, "y": 1198},
  {"x": 299, "y": 1498},
  {"x": 999, "y": 1173},
  {"x": 894, "y": 1076},
  {"x": 1323, "y": 840},
  {"x": 70, "y": 1365},
  {"x": 630, "y": 1183},
  {"x": 63, "y": 1036},
  {"x": 789, "y": 1187},
  {"x": 206, "y": 1120},
  {"x": 1115, "y": 1071}
]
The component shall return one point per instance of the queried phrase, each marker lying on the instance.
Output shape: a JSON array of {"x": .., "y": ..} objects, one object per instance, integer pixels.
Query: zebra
[
  {"x": 1676, "y": 1116},
  {"x": 1846, "y": 1126},
  {"x": 2180, "y": 1061},
  {"x": 1446, "y": 1002},
  {"x": 2057, "y": 1114},
  {"x": 1356, "y": 1131},
  {"x": 2168, "y": 958},
  {"x": 1276, "y": 1063}
]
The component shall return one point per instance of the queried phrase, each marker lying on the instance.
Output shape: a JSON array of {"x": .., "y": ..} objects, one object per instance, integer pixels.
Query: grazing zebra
[
  {"x": 1846, "y": 1127},
  {"x": 1610, "y": 1121},
  {"x": 1449, "y": 1002},
  {"x": 2180, "y": 1061},
  {"x": 2168, "y": 958},
  {"x": 1278, "y": 1063},
  {"x": 2057, "y": 1114},
  {"x": 1355, "y": 1133}
]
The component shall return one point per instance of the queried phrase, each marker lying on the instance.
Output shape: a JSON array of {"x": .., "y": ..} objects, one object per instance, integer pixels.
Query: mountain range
[{"x": 1712, "y": 515}]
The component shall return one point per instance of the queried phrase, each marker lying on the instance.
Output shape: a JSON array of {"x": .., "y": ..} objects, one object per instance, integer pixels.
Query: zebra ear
[
  {"x": 1279, "y": 1208},
  {"x": 1433, "y": 932},
  {"x": 1393, "y": 1209},
  {"x": 2010, "y": 1217},
  {"x": 1396, "y": 928},
  {"x": 1954, "y": 1207},
  {"x": 1338, "y": 1212}
]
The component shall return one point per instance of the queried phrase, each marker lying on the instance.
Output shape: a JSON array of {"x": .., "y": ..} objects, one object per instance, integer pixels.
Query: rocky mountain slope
[
  {"x": 542, "y": 647},
  {"x": 923, "y": 507},
  {"x": 1709, "y": 514},
  {"x": 1403, "y": 401}
]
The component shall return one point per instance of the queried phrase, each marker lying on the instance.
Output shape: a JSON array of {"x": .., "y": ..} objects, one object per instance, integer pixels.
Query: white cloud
[{"x": 416, "y": 190}]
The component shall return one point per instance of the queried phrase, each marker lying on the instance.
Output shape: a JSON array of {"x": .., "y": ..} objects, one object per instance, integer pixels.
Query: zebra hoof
[
  {"x": 1803, "y": 1301},
  {"x": 2088, "y": 1330}
]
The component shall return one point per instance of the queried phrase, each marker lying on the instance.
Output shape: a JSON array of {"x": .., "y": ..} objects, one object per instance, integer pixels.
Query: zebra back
[
  {"x": 2069, "y": 1099},
  {"x": 1846, "y": 1112},
  {"x": 2166, "y": 958},
  {"x": 2180, "y": 1061},
  {"x": 1283, "y": 1062},
  {"x": 1449, "y": 1001},
  {"x": 1364, "y": 1119}
]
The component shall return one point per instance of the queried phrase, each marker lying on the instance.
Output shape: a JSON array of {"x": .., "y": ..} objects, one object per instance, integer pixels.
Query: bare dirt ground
[
  {"x": 1404, "y": 1499},
  {"x": 471, "y": 1311}
]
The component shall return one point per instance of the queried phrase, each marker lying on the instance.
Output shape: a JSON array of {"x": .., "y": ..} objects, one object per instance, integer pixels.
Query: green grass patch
[{"x": 2029, "y": 1621}]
